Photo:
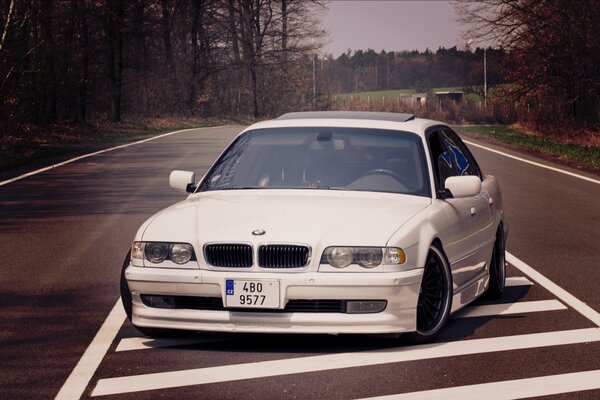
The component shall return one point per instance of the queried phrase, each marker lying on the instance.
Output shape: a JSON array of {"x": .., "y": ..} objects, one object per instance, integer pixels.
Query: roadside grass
[
  {"x": 378, "y": 95},
  {"x": 577, "y": 155},
  {"x": 31, "y": 147},
  {"x": 392, "y": 94},
  {"x": 389, "y": 95},
  {"x": 23, "y": 148}
]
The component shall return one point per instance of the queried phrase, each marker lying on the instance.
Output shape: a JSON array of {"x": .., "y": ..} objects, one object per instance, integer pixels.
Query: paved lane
[
  {"x": 64, "y": 234},
  {"x": 554, "y": 221},
  {"x": 66, "y": 231}
]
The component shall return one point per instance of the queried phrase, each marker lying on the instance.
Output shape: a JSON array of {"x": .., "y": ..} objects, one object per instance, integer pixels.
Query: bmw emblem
[{"x": 258, "y": 232}]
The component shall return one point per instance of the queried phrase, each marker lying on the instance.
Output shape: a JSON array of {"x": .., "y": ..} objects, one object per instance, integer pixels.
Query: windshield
[{"x": 322, "y": 158}]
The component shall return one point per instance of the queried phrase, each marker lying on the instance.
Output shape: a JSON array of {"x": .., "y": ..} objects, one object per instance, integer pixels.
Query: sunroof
[{"x": 370, "y": 115}]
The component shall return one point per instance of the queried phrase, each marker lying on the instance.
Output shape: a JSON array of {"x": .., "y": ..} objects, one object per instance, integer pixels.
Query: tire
[
  {"x": 127, "y": 305},
  {"x": 497, "y": 267},
  {"x": 435, "y": 298}
]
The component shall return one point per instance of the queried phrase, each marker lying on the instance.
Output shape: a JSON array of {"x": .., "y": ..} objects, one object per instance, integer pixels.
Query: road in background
[{"x": 65, "y": 232}]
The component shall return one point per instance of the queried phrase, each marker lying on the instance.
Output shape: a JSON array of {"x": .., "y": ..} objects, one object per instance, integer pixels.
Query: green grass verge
[
  {"x": 567, "y": 153},
  {"x": 392, "y": 94},
  {"x": 378, "y": 95}
]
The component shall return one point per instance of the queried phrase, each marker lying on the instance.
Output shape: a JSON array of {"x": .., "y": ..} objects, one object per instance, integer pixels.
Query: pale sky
[{"x": 391, "y": 25}]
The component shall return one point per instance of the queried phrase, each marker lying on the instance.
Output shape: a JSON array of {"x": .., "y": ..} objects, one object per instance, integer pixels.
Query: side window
[
  {"x": 464, "y": 160},
  {"x": 442, "y": 161}
]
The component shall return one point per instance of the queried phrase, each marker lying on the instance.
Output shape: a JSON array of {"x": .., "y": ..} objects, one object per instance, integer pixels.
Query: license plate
[{"x": 251, "y": 293}]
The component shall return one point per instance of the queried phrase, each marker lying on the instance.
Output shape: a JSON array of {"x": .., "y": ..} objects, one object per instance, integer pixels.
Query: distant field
[{"x": 388, "y": 95}]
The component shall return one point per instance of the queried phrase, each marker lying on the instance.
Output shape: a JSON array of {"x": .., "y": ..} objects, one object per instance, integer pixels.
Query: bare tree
[
  {"x": 114, "y": 26},
  {"x": 555, "y": 48},
  {"x": 81, "y": 60},
  {"x": 7, "y": 20}
]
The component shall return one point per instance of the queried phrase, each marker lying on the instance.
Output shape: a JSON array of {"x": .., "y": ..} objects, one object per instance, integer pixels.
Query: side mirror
[
  {"x": 183, "y": 181},
  {"x": 463, "y": 186}
]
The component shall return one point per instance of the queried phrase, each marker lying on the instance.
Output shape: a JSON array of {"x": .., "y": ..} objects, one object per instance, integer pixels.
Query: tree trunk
[
  {"x": 254, "y": 90},
  {"x": 166, "y": 31},
  {"x": 233, "y": 31},
  {"x": 194, "y": 34},
  {"x": 284, "y": 28},
  {"x": 80, "y": 11},
  {"x": 115, "y": 56},
  {"x": 48, "y": 67}
]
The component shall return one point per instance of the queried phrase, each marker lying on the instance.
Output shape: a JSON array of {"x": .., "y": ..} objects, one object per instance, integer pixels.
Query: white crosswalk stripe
[
  {"x": 199, "y": 376},
  {"x": 510, "y": 389},
  {"x": 510, "y": 308},
  {"x": 518, "y": 281}
]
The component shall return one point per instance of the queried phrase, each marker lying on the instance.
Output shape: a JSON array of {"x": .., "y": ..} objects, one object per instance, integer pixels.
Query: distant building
[
  {"x": 416, "y": 99},
  {"x": 443, "y": 98}
]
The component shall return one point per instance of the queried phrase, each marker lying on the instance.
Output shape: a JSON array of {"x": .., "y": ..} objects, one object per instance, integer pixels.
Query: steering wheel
[{"x": 381, "y": 171}]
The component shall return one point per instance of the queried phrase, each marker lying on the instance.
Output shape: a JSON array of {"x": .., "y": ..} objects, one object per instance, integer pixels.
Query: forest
[
  {"x": 358, "y": 71},
  {"x": 89, "y": 59},
  {"x": 85, "y": 61}
]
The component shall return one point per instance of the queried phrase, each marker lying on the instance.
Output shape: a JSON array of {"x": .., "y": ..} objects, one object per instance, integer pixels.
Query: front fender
[{"x": 417, "y": 235}]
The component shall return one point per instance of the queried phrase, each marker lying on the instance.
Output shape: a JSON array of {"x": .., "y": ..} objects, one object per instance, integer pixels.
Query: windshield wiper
[{"x": 238, "y": 188}]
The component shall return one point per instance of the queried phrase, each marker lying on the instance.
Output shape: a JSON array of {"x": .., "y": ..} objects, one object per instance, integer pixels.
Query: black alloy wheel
[{"x": 435, "y": 298}]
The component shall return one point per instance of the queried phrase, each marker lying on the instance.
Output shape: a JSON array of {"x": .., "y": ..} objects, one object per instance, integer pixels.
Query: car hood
[{"x": 314, "y": 217}]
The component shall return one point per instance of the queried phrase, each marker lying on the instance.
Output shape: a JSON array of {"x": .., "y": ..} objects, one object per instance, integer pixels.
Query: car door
[
  {"x": 465, "y": 215},
  {"x": 483, "y": 218}
]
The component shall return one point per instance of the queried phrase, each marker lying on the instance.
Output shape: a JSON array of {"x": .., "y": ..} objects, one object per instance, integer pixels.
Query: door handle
[
  {"x": 491, "y": 201},
  {"x": 473, "y": 211}
]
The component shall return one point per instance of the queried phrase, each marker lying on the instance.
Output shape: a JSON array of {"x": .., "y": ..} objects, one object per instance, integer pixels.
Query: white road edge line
[
  {"x": 585, "y": 178},
  {"x": 510, "y": 308},
  {"x": 88, "y": 363},
  {"x": 199, "y": 376},
  {"x": 37, "y": 171},
  {"x": 556, "y": 290},
  {"x": 518, "y": 281},
  {"x": 508, "y": 390}
]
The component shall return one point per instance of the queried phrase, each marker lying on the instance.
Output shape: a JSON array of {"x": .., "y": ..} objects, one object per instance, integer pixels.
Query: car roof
[
  {"x": 350, "y": 119},
  {"x": 370, "y": 115}
]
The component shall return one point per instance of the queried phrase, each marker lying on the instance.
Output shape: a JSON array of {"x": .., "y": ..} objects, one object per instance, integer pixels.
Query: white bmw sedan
[{"x": 322, "y": 222}]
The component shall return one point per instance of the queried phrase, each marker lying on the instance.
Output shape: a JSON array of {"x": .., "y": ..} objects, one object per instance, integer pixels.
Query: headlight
[
  {"x": 157, "y": 252},
  {"x": 339, "y": 257},
  {"x": 181, "y": 253},
  {"x": 366, "y": 257},
  {"x": 369, "y": 257}
]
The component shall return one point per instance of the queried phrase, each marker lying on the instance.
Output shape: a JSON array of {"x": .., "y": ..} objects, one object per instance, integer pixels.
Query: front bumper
[{"x": 399, "y": 289}]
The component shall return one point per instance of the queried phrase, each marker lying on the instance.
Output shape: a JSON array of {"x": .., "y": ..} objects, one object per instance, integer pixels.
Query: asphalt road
[{"x": 64, "y": 234}]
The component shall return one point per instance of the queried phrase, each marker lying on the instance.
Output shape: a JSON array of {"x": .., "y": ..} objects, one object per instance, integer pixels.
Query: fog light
[
  {"x": 158, "y": 301},
  {"x": 365, "y": 306}
]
